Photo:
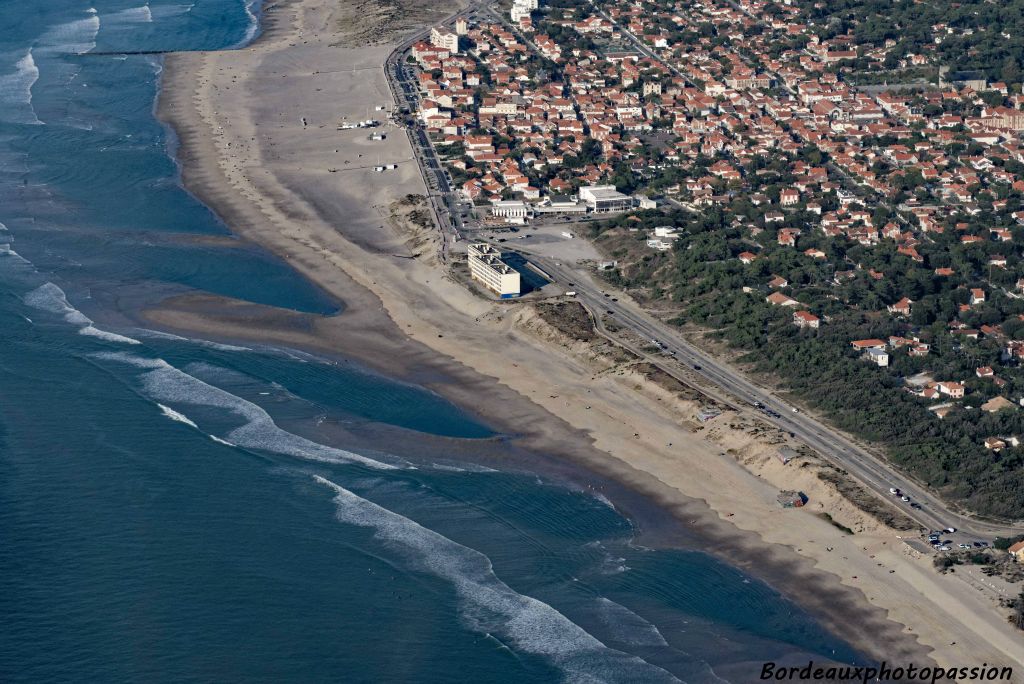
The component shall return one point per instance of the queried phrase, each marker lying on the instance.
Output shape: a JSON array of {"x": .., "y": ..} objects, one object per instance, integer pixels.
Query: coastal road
[
  {"x": 742, "y": 393},
  {"x": 404, "y": 88},
  {"x": 736, "y": 389}
]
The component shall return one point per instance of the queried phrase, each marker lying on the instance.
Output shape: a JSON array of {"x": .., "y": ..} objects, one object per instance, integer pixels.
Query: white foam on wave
[
  {"x": 156, "y": 334},
  {"x": 133, "y": 15},
  {"x": 93, "y": 331},
  {"x": 489, "y": 605},
  {"x": 16, "y": 92},
  {"x": 165, "y": 11},
  {"x": 465, "y": 468},
  {"x": 218, "y": 440},
  {"x": 6, "y": 251},
  {"x": 254, "y": 22},
  {"x": 177, "y": 417},
  {"x": 74, "y": 37},
  {"x": 145, "y": 332},
  {"x": 605, "y": 500},
  {"x": 49, "y": 297},
  {"x": 163, "y": 382},
  {"x": 628, "y": 627}
]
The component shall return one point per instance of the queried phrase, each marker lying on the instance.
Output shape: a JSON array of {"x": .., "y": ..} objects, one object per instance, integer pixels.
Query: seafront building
[{"x": 485, "y": 265}]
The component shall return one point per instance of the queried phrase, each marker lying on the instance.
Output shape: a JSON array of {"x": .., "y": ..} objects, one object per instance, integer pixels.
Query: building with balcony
[
  {"x": 485, "y": 265},
  {"x": 444, "y": 38}
]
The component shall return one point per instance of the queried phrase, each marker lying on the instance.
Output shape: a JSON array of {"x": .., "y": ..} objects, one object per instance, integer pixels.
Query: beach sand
[{"x": 260, "y": 145}]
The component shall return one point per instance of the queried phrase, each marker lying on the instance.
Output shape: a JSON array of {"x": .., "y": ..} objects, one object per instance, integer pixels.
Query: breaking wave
[
  {"x": 251, "y": 8},
  {"x": 16, "y": 92},
  {"x": 491, "y": 607},
  {"x": 629, "y": 628},
  {"x": 133, "y": 15},
  {"x": 163, "y": 382},
  {"x": 48, "y": 297},
  {"x": 74, "y": 37},
  {"x": 177, "y": 417}
]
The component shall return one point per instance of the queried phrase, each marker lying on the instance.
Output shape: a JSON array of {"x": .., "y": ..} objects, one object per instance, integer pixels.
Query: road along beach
[{"x": 261, "y": 143}]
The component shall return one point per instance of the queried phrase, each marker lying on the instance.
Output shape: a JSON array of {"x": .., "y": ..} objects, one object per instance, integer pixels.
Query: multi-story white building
[
  {"x": 485, "y": 265},
  {"x": 522, "y": 8},
  {"x": 444, "y": 38}
]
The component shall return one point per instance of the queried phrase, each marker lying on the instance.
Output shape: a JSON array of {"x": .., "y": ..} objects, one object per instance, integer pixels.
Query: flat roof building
[
  {"x": 444, "y": 38},
  {"x": 605, "y": 198},
  {"x": 510, "y": 209},
  {"x": 877, "y": 356},
  {"x": 485, "y": 265}
]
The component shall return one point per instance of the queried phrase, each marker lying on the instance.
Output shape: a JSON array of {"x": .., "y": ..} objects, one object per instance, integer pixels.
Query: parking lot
[{"x": 547, "y": 240}]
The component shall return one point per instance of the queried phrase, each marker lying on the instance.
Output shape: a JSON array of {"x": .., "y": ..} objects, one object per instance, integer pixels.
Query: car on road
[
  {"x": 895, "y": 491},
  {"x": 696, "y": 367},
  {"x": 916, "y": 506},
  {"x": 951, "y": 530},
  {"x": 944, "y": 548},
  {"x": 980, "y": 544},
  {"x": 906, "y": 499}
]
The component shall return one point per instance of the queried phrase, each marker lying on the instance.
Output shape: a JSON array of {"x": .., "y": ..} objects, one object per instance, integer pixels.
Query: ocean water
[{"x": 177, "y": 510}]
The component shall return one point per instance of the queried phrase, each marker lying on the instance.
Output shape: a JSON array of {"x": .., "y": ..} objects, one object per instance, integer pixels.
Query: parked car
[
  {"x": 951, "y": 530},
  {"x": 944, "y": 548}
]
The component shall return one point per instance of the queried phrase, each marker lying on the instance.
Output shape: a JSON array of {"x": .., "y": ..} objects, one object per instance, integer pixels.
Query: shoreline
[{"x": 410, "y": 320}]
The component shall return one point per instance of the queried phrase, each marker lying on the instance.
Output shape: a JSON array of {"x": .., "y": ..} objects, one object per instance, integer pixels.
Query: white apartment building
[
  {"x": 522, "y": 8},
  {"x": 444, "y": 38},
  {"x": 485, "y": 265}
]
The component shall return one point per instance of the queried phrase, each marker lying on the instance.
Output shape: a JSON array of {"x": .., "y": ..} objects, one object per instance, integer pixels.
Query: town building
[
  {"x": 602, "y": 199},
  {"x": 805, "y": 319},
  {"x": 444, "y": 38},
  {"x": 485, "y": 265},
  {"x": 513, "y": 211},
  {"x": 879, "y": 357},
  {"x": 1017, "y": 551}
]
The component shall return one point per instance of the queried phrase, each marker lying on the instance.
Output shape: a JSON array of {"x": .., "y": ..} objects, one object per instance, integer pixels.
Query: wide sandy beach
[{"x": 260, "y": 144}]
